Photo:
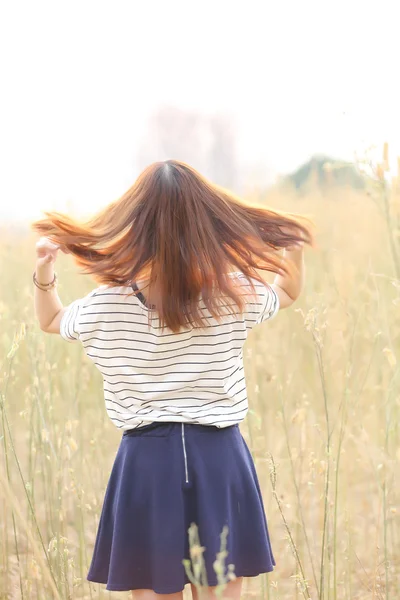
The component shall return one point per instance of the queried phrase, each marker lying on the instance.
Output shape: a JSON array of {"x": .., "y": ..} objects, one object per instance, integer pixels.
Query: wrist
[
  {"x": 47, "y": 268},
  {"x": 45, "y": 286},
  {"x": 296, "y": 256},
  {"x": 44, "y": 273}
]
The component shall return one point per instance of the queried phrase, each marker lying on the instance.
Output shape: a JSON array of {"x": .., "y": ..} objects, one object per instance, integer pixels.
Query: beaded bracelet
[{"x": 45, "y": 287}]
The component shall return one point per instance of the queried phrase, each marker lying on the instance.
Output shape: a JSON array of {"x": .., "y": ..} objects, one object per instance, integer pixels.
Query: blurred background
[
  {"x": 246, "y": 93},
  {"x": 292, "y": 105}
]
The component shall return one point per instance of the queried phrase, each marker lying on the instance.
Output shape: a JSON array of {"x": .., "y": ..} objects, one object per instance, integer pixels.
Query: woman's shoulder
[
  {"x": 113, "y": 292},
  {"x": 247, "y": 283}
]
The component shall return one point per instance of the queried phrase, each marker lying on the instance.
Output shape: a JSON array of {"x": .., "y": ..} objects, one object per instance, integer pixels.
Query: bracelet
[{"x": 45, "y": 287}]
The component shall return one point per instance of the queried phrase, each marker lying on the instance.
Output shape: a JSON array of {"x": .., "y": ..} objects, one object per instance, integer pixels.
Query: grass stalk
[
  {"x": 8, "y": 428},
  {"x": 318, "y": 352},
  {"x": 7, "y": 464},
  {"x": 296, "y": 487},
  {"x": 302, "y": 581},
  {"x": 45, "y": 565}
]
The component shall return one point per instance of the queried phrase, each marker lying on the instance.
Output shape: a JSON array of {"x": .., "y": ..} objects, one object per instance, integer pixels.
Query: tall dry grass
[{"x": 323, "y": 426}]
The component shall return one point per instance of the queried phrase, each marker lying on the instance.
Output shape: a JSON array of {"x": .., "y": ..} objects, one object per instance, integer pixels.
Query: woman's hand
[
  {"x": 46, "y": 252},
  {"x": 298, "y": 245},
  {"x": 295, "y": 247}
]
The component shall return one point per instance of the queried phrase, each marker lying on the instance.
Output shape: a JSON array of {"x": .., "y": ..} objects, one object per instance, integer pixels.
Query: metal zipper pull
[{"x": 184, "y": 453}]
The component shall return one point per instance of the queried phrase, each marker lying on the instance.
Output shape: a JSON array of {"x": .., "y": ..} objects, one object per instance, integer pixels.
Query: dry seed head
[
  {"x": 390, "y": 357},
  {"x": 231, "y": 572},
  {"x": 34, "y": 567},
  {"x": 385, "y": 163},
  {"x": 196, "y": 550},
  {"x": 72, "y": 444}
]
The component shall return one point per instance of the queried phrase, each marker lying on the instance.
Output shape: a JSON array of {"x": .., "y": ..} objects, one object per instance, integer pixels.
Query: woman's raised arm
[
  {"x": 289, "y": 286},
  {"x": 48, "y": 306}
]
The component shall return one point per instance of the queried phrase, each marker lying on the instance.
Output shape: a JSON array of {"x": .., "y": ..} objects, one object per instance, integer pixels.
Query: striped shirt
[{"x": 194, "y": 376}]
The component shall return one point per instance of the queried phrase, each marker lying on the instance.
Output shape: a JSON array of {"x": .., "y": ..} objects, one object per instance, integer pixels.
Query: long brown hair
[{"x": 184, "y": 234}]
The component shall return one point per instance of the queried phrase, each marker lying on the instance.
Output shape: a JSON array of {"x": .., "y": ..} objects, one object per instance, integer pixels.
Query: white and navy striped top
[{"x": 194, "y": 376}]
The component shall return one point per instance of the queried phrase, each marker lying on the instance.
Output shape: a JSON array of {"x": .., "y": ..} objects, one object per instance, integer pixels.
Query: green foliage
[{"x": 325, "y": 172}]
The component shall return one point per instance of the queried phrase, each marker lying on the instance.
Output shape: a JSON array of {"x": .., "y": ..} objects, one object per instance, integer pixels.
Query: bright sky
[{"x": 80, "y": 78}]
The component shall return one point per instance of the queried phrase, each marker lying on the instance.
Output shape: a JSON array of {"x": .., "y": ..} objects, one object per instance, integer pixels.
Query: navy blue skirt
[{"x": 165, "y": 477}]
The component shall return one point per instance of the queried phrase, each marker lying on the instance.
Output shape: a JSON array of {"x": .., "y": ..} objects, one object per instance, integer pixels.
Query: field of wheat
[{"x": 323, "y": 425}]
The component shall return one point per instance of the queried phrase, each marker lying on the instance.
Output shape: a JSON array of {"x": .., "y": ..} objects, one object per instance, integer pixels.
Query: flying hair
[{"x": 184, "y": 234}]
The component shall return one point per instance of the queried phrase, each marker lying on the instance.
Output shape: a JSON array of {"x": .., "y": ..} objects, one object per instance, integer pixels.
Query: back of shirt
[{"x": 194, "y": 376}]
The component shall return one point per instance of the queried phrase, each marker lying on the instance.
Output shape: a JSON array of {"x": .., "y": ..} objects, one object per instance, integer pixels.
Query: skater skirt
[{"x": 168, "y": 478}]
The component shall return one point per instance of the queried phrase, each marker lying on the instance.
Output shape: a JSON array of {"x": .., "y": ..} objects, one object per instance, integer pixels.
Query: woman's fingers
[
  {"x": 45, "y": 243},
  {"x": 294, "y": 247},
  {"x": 46, "y": 251},
  {"x": 293, "y": 244},
  {"x": 297, "y": 245},
  {"x": 45, "y": 260}
]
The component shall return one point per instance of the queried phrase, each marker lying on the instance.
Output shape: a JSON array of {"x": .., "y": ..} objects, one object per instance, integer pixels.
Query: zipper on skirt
[{"x": 185, "y": 454}]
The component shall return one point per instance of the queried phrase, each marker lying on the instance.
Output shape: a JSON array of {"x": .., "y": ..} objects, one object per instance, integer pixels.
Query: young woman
[{"x": 176, "y": 260}]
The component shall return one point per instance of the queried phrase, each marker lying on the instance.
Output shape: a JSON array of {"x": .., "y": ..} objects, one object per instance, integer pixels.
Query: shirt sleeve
[
  {"x": 270, "y": 304},
  {"x": 69, "y": 324}
]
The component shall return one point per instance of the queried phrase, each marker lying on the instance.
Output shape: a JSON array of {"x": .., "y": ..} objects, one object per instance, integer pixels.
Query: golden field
[{"x": 323, "y": 426}]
